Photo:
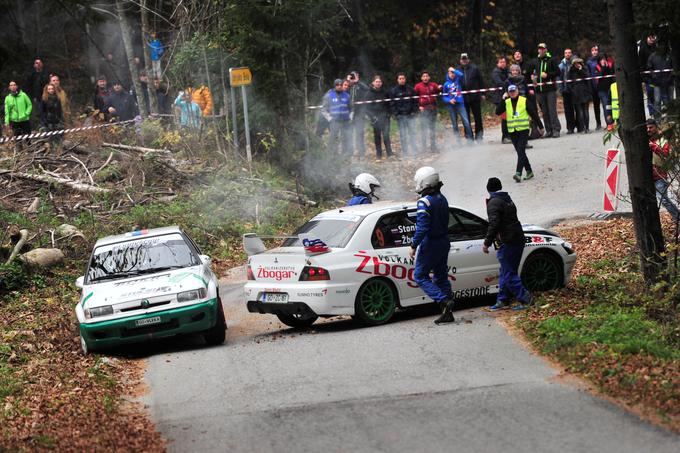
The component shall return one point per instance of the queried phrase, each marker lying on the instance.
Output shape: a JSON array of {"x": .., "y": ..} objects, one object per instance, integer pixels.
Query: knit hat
[
  {"x": 337, "y": 82},
  {"x": 493, "y": 185}
]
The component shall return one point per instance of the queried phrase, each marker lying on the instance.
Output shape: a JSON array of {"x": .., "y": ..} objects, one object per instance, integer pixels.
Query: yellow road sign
[{"x": 240, "y": 77}]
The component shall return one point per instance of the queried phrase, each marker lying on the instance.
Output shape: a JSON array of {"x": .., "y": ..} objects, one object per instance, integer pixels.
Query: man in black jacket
[
  {"x": 506, "y": 232},
  {"x": 499, "y": 76},
  {"x": 545, "y": 69},
  {"x": 120, "y": 103},
  {"x": 404, "y": 106},
  {"x": 472, "y": 80}
]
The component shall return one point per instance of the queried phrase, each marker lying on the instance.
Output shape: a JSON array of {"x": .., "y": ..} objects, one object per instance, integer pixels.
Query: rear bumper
[
  {"x": 193, "y": 318},
  {"x": 291, "y": 308}
]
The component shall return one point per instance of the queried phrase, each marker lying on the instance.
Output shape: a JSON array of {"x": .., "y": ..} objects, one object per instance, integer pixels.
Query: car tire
[
  {"x": 218, "y": 333},
  {"x": 376, "y": 302},
  {"x": 296, "y": 321},
  {"x": 542, "y": 272}
]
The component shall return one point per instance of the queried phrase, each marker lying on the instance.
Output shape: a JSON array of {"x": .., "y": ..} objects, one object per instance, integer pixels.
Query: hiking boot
[
  {"x": 505, "y": 140},
  {"x": 529, "y": 175},
  {"x": 517, "y": 177},
  {"x": 529, "y": 146},
  {"x": 556, "y": 135},
  {"x": 447, "y": 312}
]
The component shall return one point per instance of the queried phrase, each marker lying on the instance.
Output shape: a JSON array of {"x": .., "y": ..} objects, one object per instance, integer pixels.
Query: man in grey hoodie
[{"x": 565, "y": 91}]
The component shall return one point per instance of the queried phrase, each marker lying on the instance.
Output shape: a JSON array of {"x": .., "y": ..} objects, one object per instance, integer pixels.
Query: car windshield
[
  {"x": 334, "y": 231},
  {"x": 140, "y": 256}
]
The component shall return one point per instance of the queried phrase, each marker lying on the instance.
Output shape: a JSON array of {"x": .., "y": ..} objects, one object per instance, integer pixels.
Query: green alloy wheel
[
  {"x": 541, "y": 272},
  {"x": 376, "y": 302}
]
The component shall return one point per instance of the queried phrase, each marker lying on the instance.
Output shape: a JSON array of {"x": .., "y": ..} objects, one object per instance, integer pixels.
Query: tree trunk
[
  {"x": 146, "y": 31},
  {"x": 126, "y": 32},
  {"x": 634, "y": 136}
]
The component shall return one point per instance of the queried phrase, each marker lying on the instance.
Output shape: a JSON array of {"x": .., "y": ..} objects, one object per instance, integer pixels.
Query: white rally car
[
  {"x": 148, "y": 284},
  {"x": 356, "y": 263}
]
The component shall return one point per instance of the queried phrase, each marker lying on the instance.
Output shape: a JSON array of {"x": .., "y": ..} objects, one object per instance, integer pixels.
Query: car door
[
  {"x": 476, "y": 273},
  {"x": 391, "y": 241}
]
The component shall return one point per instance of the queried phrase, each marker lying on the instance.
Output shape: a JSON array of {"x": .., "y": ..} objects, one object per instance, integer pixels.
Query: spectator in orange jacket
[{"x": 203, "y": 98}]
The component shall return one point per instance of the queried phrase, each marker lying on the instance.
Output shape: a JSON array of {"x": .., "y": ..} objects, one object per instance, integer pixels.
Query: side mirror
[
  {"x": 205, "y": 259},
  {"x": 80, "y": 281}
]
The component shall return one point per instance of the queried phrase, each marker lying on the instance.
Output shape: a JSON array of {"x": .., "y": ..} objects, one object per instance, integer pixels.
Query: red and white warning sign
[{"x": 611, "y": 180}]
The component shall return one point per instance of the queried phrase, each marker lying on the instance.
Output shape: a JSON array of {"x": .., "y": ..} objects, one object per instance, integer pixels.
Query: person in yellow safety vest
[
  {"x": 518, "y": 111},
  {"x": 203, "y": 98}
]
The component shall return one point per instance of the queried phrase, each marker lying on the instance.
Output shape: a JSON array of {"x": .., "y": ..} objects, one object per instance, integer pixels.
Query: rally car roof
[
  {"x": 366, "y": 209},
  {"x": 139, "y": 234}
]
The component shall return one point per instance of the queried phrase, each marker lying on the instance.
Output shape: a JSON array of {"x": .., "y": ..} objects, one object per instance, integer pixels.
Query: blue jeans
[
  {"x": 662, "y": 195},
  {"x": 509, "y": 282},
  {"x": 605, "y": 100},
  {"x": 433, "y": 255},
  {"x": 661, "y": 97},
  {"x": 407, "y": 135},
  {"x": 649, "y": 90},
  {"x": 454, "y": 111}
]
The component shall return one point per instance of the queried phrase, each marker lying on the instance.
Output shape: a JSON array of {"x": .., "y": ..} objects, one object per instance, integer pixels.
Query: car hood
[{"x": 146, "y": 286}]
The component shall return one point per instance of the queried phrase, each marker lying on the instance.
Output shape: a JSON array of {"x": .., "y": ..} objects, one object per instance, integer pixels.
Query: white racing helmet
[
  {"x": 366, "y": 182},
  {"x": 426, "y": 177}
]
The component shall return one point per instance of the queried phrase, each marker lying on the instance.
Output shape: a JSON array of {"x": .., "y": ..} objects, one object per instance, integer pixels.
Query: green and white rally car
[{"x": 148, "y": 284}]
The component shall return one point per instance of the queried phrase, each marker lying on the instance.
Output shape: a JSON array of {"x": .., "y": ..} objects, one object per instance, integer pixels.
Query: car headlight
[
  {"x": 98, "y": 311},
  {"x": 194, "y": 294},
  {"x": 568, "y": 247}
]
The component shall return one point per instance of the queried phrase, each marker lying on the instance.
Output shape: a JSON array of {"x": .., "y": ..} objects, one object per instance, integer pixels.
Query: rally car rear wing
[{"x": 253, "y": 243}]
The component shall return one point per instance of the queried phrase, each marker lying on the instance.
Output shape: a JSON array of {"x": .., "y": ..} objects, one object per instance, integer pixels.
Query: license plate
[
  {"x": 276, "y": 298},
  {"x": 148, "y": 321}
]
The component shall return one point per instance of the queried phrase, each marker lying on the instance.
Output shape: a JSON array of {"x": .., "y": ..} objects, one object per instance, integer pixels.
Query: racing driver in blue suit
[{"x": 432, "y": 241}]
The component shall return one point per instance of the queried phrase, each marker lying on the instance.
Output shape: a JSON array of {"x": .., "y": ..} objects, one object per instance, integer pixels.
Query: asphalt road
[
  {"x": 569, "y": 179},
  {"x": 403, "y": 387},
  {"x": 408, "y": 385}
]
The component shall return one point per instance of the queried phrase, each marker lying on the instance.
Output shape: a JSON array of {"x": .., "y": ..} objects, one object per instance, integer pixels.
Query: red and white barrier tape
[
  {"x": 60, "y": 132},
  {"x": 486, "y": 90}
]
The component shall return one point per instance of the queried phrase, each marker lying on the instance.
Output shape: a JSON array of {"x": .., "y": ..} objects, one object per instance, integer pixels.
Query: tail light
[
  {"x": 251, "y": 276},
  {"x": 311, "y": 273}
]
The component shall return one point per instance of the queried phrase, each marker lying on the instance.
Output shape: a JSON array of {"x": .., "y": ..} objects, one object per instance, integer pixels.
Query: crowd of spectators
[{"x": 415, "y": 108}]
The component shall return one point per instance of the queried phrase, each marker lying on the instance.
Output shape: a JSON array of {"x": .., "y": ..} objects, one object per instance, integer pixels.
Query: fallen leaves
[
  {"x": 51, "y": 396},
  {"x": 647, "y": 384}
]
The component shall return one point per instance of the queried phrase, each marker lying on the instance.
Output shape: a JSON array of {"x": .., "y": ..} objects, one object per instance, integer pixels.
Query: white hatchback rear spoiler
[{"x": 253, "y": 244}]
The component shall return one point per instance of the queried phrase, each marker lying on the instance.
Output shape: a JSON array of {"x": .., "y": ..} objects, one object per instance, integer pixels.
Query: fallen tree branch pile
[{"x": 102, "y": 179}]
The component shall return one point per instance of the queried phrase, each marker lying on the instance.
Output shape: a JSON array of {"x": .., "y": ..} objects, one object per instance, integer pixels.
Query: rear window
[{"x": 335, "y": 232}]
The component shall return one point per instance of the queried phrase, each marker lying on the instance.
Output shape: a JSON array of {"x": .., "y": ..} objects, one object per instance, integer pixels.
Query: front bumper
[
  {"x": 193, "y": 318},
  {"x": 569, "y": 263},
  {"x": 290, "y": 308}
]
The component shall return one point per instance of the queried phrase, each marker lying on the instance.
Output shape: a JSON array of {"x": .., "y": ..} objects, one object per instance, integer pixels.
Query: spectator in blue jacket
[
  {"x": 156, "y": 50},
  {"x": 456, "y": 103},
  {"x": 337, "y": 110}
]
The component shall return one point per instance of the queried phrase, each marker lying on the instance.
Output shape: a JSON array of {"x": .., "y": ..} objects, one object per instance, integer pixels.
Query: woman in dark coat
[
  {"x": 580, "y": 94},
  {"x": 51, "y": 114}
]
